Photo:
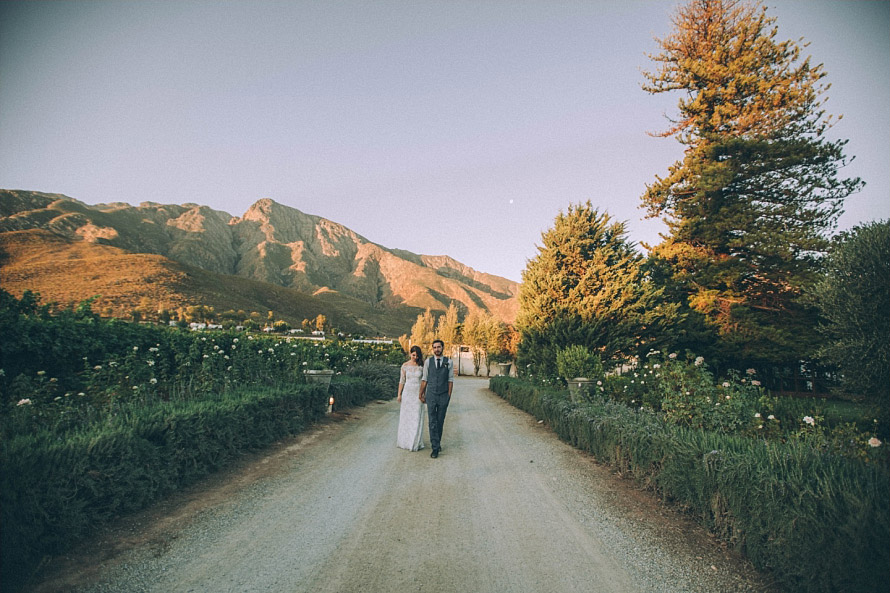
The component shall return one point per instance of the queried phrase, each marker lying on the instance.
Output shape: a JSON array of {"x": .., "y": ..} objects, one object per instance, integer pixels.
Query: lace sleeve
[{"x": 402, "y": 375}]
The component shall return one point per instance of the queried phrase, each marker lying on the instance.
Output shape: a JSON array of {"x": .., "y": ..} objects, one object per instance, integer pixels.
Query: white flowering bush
[
  {"x": 690, "y": 396},
  {"x": 78, "y": 371},
  {"x": 685, "y": 393}
]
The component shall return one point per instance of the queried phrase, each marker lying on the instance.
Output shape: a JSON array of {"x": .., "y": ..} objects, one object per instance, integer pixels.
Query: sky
[{"x": 458, "y": 128}]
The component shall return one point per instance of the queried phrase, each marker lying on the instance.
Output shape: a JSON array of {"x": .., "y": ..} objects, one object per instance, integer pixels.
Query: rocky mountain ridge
[{"x": 270, "y": 243}]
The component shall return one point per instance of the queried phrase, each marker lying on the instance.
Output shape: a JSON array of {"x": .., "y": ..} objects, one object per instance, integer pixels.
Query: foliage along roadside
[
  {"x": 103, "y": 417},
  {"x": 816, "y": 521},
  {"x": 53, "y": 493}
]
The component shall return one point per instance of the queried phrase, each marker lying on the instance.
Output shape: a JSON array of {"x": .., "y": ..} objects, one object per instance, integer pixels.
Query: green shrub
[
  {"x": 813, "y": 519},
  {"x": 576, "y": 360},
  {"x": 385, "y": 377},
  {"x": 852, "y": 297},
  {"x": 55, "y": 491}
]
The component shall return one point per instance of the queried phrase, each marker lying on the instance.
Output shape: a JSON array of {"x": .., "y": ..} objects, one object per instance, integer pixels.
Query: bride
[{"x": 411, "y": 413}]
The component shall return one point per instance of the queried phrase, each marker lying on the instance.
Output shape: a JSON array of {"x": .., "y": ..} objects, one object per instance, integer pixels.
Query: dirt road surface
[{"x": 506, "y": 508}]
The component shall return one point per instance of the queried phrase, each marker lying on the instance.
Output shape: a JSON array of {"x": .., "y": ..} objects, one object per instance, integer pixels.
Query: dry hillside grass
[{"x": 68, "y": 272}]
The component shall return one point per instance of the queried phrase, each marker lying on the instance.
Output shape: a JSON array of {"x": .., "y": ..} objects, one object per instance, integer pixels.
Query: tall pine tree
[{"x": 751, "y": 205}]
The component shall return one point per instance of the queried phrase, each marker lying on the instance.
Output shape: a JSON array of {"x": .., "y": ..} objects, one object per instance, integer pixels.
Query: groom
[{"x": 435, "y": 390}]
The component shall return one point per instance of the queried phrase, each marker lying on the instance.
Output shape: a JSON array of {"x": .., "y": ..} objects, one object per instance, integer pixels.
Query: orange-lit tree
[{"x": 751, "y": 205}]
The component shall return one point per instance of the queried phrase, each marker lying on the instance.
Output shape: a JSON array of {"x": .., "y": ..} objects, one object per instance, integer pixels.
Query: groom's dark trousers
[{"x": 437, "y": 399}]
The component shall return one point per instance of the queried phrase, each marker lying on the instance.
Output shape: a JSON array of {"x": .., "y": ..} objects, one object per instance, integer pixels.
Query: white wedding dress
[{"x": 411, "y": 413}]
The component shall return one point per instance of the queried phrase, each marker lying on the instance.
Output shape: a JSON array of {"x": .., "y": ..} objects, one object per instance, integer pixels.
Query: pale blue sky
[{"x": 458, "y": 128}]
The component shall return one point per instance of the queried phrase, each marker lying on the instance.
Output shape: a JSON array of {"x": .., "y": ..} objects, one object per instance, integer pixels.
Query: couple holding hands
[{"x": 424, "y": 382}]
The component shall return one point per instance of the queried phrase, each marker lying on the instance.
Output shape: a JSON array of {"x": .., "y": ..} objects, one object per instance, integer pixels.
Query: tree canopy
[
  {"x": 751, "y": 205},
  {"x": 585, "y": 286},
  {"x": 853, "y": 297}
]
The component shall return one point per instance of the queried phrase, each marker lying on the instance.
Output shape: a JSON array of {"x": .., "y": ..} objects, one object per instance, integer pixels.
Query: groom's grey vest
[{"x": 437, "y": 379}]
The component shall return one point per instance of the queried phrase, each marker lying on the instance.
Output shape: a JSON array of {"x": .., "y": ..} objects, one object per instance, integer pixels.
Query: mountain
[{"x": 209, "y": 256}]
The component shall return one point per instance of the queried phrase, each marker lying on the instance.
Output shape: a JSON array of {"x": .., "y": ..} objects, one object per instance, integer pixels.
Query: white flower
[
  {"x": 771, "y": 417},
  {"x": 809, "y": 420},
  {"x": 135, "y": 348},
  {"x": 757, "y": 415},
  {"x": 699, "y": 360},
  {"x": 727, "y": 397},
  {"x": 726, "y": 383},
  {"x": 151, "y": 363},
  {"x": 656, "y": 366},
  {"x": 41, "y": 373},
  {"x": 599, "y": 382},
  {"x": 672, "y": 355},
  {"x": 755, "y": 383},
  {"x": 750, "y": 371},
  {"x": 153, "y": 381},
  {"x": 98, "y": 367},
  {"x": 24, "y": 402},
  {"x": 135, "y": 387},
  {"x": 235, "y": 341},
  {"x": 874, "y": 442}
]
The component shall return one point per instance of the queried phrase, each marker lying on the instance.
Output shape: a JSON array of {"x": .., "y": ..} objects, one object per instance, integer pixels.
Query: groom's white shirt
[{"x": 448, "y": 364}]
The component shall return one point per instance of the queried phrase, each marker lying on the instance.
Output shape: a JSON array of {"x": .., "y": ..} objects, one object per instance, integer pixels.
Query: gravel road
[{"x": 506, "y": 508}]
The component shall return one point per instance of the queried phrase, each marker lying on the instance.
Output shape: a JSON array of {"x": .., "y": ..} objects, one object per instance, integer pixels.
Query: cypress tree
[{"x": 586, "y": 286}]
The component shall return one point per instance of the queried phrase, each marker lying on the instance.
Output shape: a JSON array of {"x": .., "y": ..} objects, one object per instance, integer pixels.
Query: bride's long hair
[{"x": 419, "y": 353}]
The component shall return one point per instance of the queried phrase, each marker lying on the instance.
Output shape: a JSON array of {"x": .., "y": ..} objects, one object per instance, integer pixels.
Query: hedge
[
  {"x": 55, "y": 492},
  {"x": 813, "y": 521}
]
